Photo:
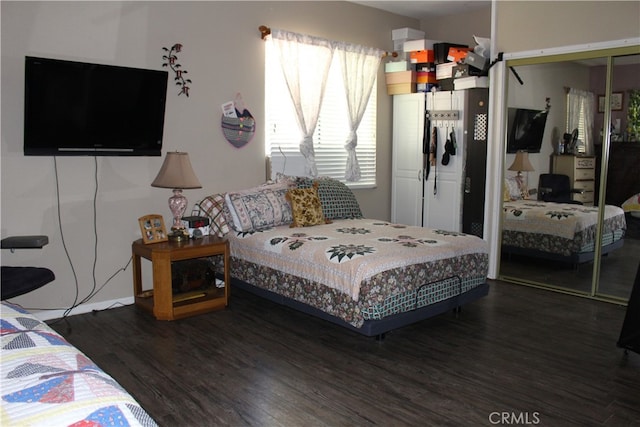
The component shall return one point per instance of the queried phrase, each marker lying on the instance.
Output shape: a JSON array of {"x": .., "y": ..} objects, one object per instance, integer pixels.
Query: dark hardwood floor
[
  {"x": 533, "y": 356},
  {"x": 617, "y": 271}
]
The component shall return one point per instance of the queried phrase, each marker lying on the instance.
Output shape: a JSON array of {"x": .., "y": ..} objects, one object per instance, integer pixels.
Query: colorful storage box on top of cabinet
[
  {"x": 465, "y": 70},
  {"x": 403, "y": 35},
  {"x": 457, "y": 54},
  {"x": 471, "y": 82},
  {"x": 401, "y": 88},
  {"x": 445, "y": 71},
  {"x": 419, "y": 56},
  {"x": 400, "y": 82},
  {"x": 441, "y": 51},
  {"x": 425, "y": 87},
  {"x": 476, "y": 61},
  {"x": 426, "y": 77},
  {"x": 395, "y": 66},
  {"x": 406, "y": 34},
  {"x": 423, "y": 44},
  {"x": 400, "y": 77}
]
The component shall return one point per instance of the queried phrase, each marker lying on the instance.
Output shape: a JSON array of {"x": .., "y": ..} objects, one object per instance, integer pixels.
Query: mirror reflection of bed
[{"x": 612, "y": 277}]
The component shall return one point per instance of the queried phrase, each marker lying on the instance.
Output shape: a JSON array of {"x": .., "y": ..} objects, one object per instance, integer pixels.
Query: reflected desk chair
[{"x": 554, "y": 187}]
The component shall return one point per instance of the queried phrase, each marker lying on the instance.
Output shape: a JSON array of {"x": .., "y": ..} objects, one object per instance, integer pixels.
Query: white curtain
[
  {"x": 301, "y": 53},
  {"x": 581, "y": 104},
  {"x": 359, "y": 70}
]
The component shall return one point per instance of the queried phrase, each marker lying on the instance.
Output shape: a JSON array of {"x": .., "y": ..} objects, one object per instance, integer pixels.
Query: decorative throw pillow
[
  {"x": 213, "y": 206},
  {"x": 516, "y": 188},
  {"x": 259, "y": 207},
  {"x": 506, "y": 194},
  {"x": 338, "y": 201},
  {"x": 306, "y": 207},
  {"x": 632, "y": 204}
]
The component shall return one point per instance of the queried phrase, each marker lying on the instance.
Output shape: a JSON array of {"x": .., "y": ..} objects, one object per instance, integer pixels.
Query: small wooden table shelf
[{"x": 161, "y": 302}]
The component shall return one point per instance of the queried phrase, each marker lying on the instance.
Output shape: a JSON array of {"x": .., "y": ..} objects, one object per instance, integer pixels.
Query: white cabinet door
[
  {"x": 443, "y": 210},
  {"x": 406, "y": 177}
]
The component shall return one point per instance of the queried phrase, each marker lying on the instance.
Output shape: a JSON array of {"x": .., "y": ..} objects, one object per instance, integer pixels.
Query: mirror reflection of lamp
[
  {"x": 521, "y": 164},
  {"x": 176, "y": 173}
]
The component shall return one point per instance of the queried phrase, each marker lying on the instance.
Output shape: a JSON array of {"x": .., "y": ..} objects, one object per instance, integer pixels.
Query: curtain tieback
[{"x": 352, "y": 141}]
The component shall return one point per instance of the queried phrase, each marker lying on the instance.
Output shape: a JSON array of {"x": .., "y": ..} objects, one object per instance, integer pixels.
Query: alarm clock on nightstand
[{"x": 197, "y": 226}]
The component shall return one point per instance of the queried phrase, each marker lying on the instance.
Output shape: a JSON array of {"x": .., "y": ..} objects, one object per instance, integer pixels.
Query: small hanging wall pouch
[{"x": 238, "y": 125}]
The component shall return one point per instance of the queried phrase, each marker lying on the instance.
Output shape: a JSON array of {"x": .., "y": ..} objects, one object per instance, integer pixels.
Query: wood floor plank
[{"x": 520, "y": 350}]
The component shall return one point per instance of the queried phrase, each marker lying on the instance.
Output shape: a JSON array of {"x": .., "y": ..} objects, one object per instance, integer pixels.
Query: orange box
[
  {"x": 400, "y": 77},
  {"x": 426, "y": 77},
  {"x": 419, "y": 56},
  {"x": 457, "y": 54}
]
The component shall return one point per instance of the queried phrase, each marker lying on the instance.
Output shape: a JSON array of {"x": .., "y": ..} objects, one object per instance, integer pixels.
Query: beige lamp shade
[
  {"x": 176, "y": 172},
  {"x": 521, "y": 163}
]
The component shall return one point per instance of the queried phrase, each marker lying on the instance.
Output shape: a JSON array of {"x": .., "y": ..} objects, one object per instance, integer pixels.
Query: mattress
[
  {"x": 48, "y": 382},
  {"x": 360, "y": 269},
  {"x": 558, "y": 228}
]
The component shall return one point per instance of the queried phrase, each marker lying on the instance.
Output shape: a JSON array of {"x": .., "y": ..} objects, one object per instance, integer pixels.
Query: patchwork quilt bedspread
[
  {"x": 350, "y": 265},
  {"x": 45, "y": 381},
  {"x": 559, "y": 228}
]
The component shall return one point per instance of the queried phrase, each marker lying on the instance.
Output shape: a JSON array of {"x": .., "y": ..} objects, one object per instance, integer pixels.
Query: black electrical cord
[{"x": 94, "y": 289}]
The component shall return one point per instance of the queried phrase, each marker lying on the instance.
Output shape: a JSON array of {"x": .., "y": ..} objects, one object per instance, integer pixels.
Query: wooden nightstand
[{"x": 161, "y": 302}]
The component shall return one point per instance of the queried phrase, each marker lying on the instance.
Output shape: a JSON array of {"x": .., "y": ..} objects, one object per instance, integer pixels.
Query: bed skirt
[
  {"x": 372, "y": 327},
  {"x": 575, "y": 258}
]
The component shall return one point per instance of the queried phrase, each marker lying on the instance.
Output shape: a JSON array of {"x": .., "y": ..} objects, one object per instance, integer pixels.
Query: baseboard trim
[{"x": 45, "y": 315}]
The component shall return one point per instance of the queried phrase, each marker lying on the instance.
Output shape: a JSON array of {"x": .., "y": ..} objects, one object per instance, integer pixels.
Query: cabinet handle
[{"x": 419, "y": 174}]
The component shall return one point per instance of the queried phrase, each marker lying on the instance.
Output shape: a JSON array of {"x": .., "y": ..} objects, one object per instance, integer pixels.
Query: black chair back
[{"x": 553, "y": 187}]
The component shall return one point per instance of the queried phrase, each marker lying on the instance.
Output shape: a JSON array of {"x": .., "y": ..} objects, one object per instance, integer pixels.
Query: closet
[
  {"x": 439, "y": 181},
  {"x": 608, "y": 166}
]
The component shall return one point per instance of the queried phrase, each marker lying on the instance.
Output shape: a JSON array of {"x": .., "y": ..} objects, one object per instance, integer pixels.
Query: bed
[
  {"x": 48, "y": 382},
  {"x": 367, "y": 275},
  {"x": 559, "y": 231}
]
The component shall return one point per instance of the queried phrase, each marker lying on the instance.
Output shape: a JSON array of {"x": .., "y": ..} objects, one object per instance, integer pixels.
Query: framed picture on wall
[{"x": 616, "y": 102}]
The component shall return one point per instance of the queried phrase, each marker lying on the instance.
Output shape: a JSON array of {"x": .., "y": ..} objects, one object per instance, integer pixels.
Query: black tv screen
[
  {"x": 76, "y": 108},
  {"x": 526, "y": 129}
]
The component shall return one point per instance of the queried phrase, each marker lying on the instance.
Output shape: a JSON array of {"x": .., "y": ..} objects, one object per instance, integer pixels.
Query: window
[
  {"x": 581, "y": 149},
  {"x": 580, "y": 112},
  {"x": 282, "y": 137}
]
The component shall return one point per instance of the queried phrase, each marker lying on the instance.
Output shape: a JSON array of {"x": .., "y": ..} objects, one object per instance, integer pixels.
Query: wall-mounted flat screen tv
[
  {"x": 77, "y": 108},
  {"x": 525, "y": 129}
]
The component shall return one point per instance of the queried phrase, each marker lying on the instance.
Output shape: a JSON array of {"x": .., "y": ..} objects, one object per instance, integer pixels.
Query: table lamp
[
  {"x": 521, "y": 164},
  {"x": 176, "y": 173}
]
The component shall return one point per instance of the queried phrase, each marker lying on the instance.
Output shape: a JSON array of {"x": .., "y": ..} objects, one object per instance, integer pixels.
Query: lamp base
[{"x": 178, "y": 235}]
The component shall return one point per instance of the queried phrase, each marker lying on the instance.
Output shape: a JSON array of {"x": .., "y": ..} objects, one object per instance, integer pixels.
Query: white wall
[
  {"x": 459, "y": 28},
  {"x": 529, "y": 25},
  {"x": 223, "y": 53}
]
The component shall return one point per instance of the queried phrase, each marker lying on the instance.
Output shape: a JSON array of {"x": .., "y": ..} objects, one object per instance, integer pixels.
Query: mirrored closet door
[
  {"x": 564, "y": 226},
  {"x": 621, "y": 166}
]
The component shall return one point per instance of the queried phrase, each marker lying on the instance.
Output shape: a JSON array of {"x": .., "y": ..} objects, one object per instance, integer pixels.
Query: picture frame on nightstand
[{"x": 152, "y": 229}]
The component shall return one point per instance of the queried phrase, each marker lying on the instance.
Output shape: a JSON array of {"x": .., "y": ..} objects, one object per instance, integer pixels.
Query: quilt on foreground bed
[
  {"x": 558, "y": 228},
  {"x": 48, "y": 382},
  {"x": 360, "y": 269}
]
